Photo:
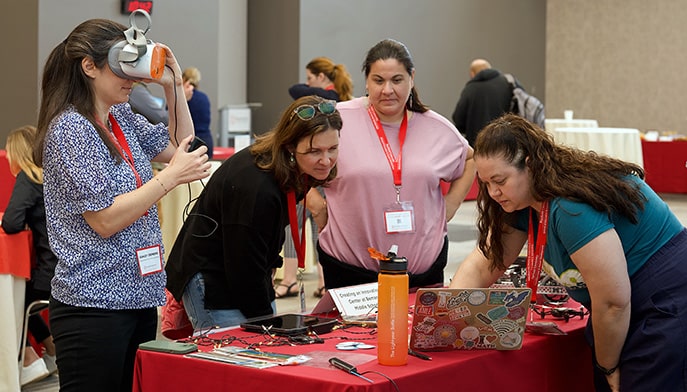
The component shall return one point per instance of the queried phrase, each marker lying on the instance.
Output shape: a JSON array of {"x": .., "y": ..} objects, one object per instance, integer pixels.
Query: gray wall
[
  {"x": 273, "y": 60},
  {"x": 442, "y": 35},
  {"x": 210, "y": 35},
  {"x": 19, "y": 66},
  {"x": 252, "y": 51},
  {"x": 621, "y": 62}
]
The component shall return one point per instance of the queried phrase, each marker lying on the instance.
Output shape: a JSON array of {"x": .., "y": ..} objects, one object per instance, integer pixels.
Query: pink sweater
[{"x": 434, "y": 150}]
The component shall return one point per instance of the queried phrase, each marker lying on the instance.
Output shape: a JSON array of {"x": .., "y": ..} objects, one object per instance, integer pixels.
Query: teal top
[{"x": 573, "y": 224}]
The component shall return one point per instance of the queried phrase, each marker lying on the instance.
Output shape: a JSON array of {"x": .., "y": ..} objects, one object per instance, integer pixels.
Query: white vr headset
[{"x": 136, "y": 57}]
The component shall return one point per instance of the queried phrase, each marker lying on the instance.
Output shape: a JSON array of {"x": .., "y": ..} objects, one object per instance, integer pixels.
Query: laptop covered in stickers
[{"x": 469, "y": 319}]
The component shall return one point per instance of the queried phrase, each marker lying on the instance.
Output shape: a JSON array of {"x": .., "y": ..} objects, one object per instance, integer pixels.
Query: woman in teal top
[{"x": 605, "y": 236}]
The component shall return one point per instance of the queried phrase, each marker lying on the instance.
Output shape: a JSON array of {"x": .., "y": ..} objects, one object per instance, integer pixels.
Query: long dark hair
[
  {"x": 392, "y": 49},
  {"x": 65, "y": 83},
  {"x": 272, "y": 150},
  {"x": 556, "y": 171}
]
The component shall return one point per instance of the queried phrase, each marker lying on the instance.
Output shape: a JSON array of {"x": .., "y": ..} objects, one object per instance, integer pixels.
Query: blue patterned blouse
[{"x": 80, "y": 175}]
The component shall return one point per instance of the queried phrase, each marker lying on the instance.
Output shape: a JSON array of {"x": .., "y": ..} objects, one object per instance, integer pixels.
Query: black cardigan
[{"x": 233, "y": 236}]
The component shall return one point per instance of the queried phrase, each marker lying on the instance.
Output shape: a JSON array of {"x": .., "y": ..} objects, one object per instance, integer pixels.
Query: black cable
[
  {"x": 186, "y": 210},
  {"x": 393, "y": 383}
]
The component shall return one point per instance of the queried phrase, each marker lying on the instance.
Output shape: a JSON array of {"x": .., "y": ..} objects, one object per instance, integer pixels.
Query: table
[
  {"x": 6, "y": 179},
  {"x": 545, "y": 363},
  {"x": 551, "y": 124},
  {"x": 172, "y": 205},
  {"x": 16, "y": 253},
  {"x": 621, "y": 143},
  {"x": 220, "y": 153},
  {"x": 665, "y": 165}
]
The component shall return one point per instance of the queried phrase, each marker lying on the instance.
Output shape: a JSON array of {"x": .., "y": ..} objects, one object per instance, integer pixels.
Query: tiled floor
[{"x": 462, "y": 236}]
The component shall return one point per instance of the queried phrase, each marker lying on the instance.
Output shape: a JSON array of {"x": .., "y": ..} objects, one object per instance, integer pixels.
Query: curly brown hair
[{"x": 556, "y": 171}]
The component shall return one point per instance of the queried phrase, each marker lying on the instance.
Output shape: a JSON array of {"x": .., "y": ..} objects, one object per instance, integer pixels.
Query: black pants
[
  {"x": 96, "y": 348},
  {"x": 338, "y": 274},
  {"x": 37, "y": 326}
]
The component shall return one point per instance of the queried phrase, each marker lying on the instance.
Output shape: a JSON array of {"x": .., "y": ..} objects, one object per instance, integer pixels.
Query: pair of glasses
[{"x": 307, "y": 112}]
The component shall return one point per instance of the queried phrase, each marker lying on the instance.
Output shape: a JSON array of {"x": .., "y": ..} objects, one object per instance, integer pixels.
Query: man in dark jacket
[{"x": 486, "y": 96}]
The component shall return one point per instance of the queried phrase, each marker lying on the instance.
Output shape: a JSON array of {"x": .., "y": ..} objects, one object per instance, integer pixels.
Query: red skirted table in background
[
  {"x": 16, "y": 254},
  {"x": 664, "y": 165},
  {"x": 222, "y": 153},
  {"x": 6, "y": 179}
]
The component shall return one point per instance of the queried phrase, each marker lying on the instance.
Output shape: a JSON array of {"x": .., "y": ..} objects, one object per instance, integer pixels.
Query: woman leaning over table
[
  {"x": 328, "y": 80},
  {"x": 224, "y": 257},
  {"x": 602, "y": 233},
  {"x": 394, "y": 154},
  {"x": 100, "y": 197}
]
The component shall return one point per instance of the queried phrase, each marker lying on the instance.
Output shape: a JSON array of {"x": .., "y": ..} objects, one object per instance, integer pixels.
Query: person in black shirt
[
  {"x": 222, "y": 263},
  {"x": 26, "y": 208},
  {"x": 486, "y": 96}
]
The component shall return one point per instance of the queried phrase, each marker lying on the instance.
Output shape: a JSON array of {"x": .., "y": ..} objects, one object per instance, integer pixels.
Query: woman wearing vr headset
[
  {"x": 224, "y": 257},
  {"x": 100, "y": 197}
]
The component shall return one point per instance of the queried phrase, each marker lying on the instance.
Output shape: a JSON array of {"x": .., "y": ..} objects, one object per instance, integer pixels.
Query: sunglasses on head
[{"x": 307, "y": 112}]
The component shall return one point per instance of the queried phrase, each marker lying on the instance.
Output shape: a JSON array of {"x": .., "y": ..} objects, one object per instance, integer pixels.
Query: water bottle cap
[{"x": 396, "y": 264}]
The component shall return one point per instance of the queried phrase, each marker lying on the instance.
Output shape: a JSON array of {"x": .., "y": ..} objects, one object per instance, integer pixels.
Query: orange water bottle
[{"x": 392, "y": 310}]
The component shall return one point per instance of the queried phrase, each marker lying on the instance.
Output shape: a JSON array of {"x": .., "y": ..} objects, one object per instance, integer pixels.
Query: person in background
[
  {"x": 143, "y": 101},
  {"x": 100, "y": 197},
  {"x": 222, "y": 263},
  {"x": 326, "y": 79},
  {"x": 332, "y": 81},
  {"x": 486, "y": 96},
  {"x": 26, "y": 208},
  {"x": 199, "y": 105},
  {"x": 602, "y": 233},
  {"x": 394, "y": 153}
]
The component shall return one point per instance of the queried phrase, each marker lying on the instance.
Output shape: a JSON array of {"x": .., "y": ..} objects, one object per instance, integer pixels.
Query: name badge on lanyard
[
  {"x": 399, "y": 217},
  {"x": 149, "y": 258}
]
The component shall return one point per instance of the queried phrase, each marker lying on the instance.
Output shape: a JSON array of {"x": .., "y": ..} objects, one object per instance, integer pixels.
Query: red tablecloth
[
  {"x": 222, "y": 153},
  {"x": 16, "y": 253},
  {"x": 6, "y": 179},
  {"x": 664, "y": 165},
  {"x": 545, "y": 363}
]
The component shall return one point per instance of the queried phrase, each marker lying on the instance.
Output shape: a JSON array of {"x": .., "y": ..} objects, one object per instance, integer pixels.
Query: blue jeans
[{"x": 204, "y": 319}]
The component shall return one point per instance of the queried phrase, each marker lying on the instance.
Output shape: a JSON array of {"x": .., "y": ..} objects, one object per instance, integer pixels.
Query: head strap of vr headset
[{"x": 135, "y": 38}]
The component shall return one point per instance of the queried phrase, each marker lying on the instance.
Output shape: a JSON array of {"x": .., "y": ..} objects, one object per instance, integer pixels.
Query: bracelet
[
  {"x": 605, "y": 371},
  {"x": 162, "y": 185}
]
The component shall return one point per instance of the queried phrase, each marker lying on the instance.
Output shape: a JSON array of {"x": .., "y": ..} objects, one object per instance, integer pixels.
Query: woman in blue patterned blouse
[{"x": 100, "y": 196}]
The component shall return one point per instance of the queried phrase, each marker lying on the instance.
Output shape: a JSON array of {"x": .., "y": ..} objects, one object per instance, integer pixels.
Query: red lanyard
[
  {"x": 124, "y": 150},
  {"x": 393, "y": 162},
  {"x": 535, "y": 254},
  {"x": 298, "y": 243}
]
